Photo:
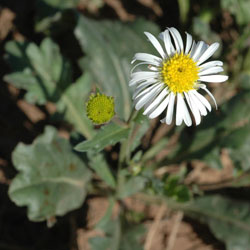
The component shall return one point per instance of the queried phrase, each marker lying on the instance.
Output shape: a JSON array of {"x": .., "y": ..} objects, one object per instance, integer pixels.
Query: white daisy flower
[{"x": 175, "y": 77}]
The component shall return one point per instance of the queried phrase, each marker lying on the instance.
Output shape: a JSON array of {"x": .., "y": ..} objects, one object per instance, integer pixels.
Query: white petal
[
  {"x": 193, "y": 49},
  {"x": 204, "y": 48},
  {"x": 153, "y": 68},
  {"x": 142, "y": 86},
  {"x": 210, "y": 64},
  {"x": 140, "y": 102},
  {"x": 208, "y": 53},
  {"x": 198, "y": 104},
  {"x": 177, "y": 39},
  {"x": 203, "y": 86},
  {"x": 194, "y": 109},
  {"x": 138, "y": 64},
  {"x": 156, "y": 101},
  {"x": 167, "y": 42},
  {"x": 198, "y": 50},
  {"x": 202, "y": 99},
  {"x": 155, "y": 43},
  {"x": 213, "y": 78},
  {"x": 170, "y": 110},
  {"x": 145, "y": 91},
  {"x": 183, "y": 111},
  {"x": 188, "y": 43},
  {"x": 212, "y": 70},
  {"x": 179, "y": 110},
  {"x": 151, "y": 59},
  {"x": 142, "y": 76},
  {"x": 160, "y": 108},
  {"x": 187, "y": 117}
]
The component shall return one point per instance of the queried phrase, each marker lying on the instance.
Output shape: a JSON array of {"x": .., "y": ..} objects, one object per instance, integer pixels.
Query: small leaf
[
  {"x": 51, "y": 180},
  {"x": 107, "y": 217},
  {"x": 16, "y": 55},
  {"x": 131, "y": 186},
  {"x": 202, "y": 145},
  {"x": 107, "y": 135},
  {"x": 176, "y": 190},
  {"x": 140, "y": 128},
  {"x": 111, "y": 241},
  {"x": 49, "y": 11},
  {"x": 119, "y": 236},
  {"x": 100, "y": 166},
  {"x": 228, "y": 219},
  {"x": 244, "y": 80},
  {"x": 238, "y": 144},
  {"x": 232, "y": 117}
]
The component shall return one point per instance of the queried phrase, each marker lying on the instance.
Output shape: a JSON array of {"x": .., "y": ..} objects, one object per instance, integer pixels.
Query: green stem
[
  {"x": 123, "y": 152},
  {"x": 119, "y": 122},
  {"x": 125, "y": 144},
  {"x": 132, "y": 115}
]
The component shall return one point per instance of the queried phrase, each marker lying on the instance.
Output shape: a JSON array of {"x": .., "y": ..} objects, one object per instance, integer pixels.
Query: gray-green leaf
[
  {"x": 101, "y": 167},
  {"x": 47, "y": 76},
  {"x": 47, "y": 72},
  {"x": 72, "y": 105},
  {"x": 118, "y": 236},
  {"x": 238, "y": 144},
  {"x": 228, "y": 219},
  {"x": 107, "y": 135},
  {"x": 131, "y": 186},
  {"x": 51, "y": 180}
]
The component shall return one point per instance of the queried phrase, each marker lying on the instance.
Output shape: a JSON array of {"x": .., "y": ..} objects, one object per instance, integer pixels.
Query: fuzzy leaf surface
[
  {"x": 47, "y": 76},
  {"x": 47, "y": 72},
  {"x": 227, "y": 218},
  {"x": 52, "y": 179},
  {"x": 107, "y": 135},
  {"x": 118, "y": 236},
  {"x": 101, "y": 167}
]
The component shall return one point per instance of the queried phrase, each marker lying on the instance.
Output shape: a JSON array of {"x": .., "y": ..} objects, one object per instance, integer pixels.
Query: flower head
[
  {"x": 175, "y": 77},
  {"x": 100, "y": 108}
]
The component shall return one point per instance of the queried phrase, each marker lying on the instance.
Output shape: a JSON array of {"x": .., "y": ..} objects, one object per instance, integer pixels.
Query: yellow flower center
[
  {"x": 100, "y": 108},
  {"x": 180, "y": 73}
]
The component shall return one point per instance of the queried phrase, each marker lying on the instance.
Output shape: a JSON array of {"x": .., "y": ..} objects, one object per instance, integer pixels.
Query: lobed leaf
[
  {"x": 52, "y": 180},
  {"x": 48, "y": 72},
  {"x": 47, "y": 76}
]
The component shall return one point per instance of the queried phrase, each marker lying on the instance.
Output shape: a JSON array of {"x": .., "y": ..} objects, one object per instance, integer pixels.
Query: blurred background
[{"x": 217, "y": 162}]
